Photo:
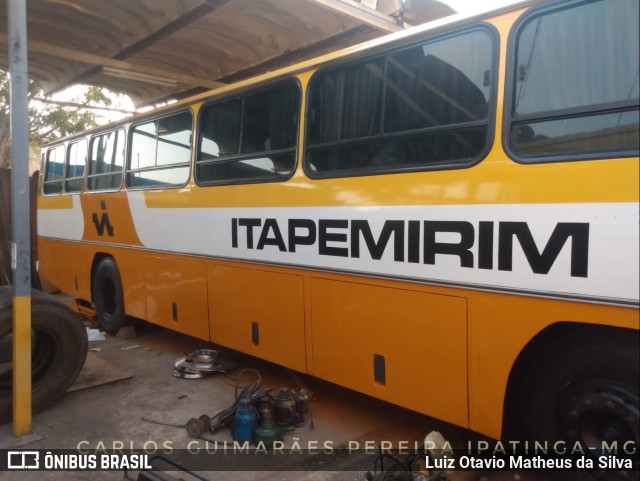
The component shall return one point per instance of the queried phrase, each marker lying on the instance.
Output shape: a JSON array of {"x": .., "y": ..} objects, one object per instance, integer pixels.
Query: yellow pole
[
  {"x": 21, "y": 247},
  {"x": 21, "y": 365}
]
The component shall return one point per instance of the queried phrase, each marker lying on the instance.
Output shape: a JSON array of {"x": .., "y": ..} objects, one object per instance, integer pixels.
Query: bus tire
[
  {"x": 59, "y": 349},
  {"x": 108, "y": 296},
  {"x": 584, "y": 388}
]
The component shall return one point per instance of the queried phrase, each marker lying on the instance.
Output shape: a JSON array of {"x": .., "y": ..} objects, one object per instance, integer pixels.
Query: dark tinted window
[
  {"x": 220, "y": 130},
  {"x": 420, "y": 107},
  {"x": 54, "y": 173},
  {"x": 106, "y": 161},
  {"x": 76, "y": 163},
  {"x": 249, "y": 139},
  {"x": 440, "y": 83},
  {"x": 576, "y": 81},
  {"x": 161, "y": 152},
  {"x": 347, "y": 103}
]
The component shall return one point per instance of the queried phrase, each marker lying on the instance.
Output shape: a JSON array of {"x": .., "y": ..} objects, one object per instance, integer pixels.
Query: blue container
[{"x": 246, "y": 421}]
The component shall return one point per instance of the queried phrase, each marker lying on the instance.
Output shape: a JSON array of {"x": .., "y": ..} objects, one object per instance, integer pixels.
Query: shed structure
[{"x": 156, "y": 50}]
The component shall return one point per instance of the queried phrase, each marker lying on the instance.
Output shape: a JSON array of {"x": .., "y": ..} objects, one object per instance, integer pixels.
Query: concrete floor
[{"x": 111, "y": 415}]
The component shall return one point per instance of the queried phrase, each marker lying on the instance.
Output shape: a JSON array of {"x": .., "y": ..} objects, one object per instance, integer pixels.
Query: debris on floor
[
  {"x": 411, "y": 466},
  {"x": 252, "y": 392},
  {"x": 94, "y": 335},
  {"x": 200, "y": 363},
  {"x": 255, "y": 416},
  {"x": 126, "y": 332}
]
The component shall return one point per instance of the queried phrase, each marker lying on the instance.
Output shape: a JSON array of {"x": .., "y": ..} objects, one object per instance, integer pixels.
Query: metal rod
[
  {"x": 21, "y": 247},
  {"x": 82, "y": 106}
]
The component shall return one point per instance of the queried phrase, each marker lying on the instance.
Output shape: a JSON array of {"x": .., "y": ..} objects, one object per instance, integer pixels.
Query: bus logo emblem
[{"x": 103, "y": 222}]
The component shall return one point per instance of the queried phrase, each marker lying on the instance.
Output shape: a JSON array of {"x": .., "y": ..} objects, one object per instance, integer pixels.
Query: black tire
[
  {"x": 108, "y": 296},
  {"x": 59, "y": 349},
  {"x": 584, "y": 388}
]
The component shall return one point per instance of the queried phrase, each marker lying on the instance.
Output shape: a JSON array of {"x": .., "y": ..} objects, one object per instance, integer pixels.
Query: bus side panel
[
  {"x": 107, "y": 218},
  {"x": 177, "y": 295},
  {"x": 500, "y": 326},
  {"x": 258, "y": 312},
  {"x": 403, "y": 346},
  {"x": 132, "y": 267},
  {"x": 66, "y": 265}
]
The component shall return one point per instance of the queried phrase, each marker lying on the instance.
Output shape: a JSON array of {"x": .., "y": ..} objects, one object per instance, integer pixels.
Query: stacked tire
[{"x": 58, "y": 350}]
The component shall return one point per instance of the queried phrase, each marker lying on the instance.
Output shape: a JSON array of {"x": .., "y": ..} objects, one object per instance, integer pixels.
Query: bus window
[
  {"x": 422, "y": 107},
  {"x": 219, "y": 130},
  {"x": 575, "y": 82},
  {"x": 347, "y": 103},
  {"x": 107, "y": 161},
  {"x": 160, "y": 152},
  {"x": 54, "y": 172},
  {"x": 250, "y": 139},
  {"x": 76, "y": 162},
  {"x": 440, "y": 83}
]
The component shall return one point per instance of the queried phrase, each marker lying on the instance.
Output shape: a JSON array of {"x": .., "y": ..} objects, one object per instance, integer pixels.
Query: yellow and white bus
[{"x": 454, "y": 206}]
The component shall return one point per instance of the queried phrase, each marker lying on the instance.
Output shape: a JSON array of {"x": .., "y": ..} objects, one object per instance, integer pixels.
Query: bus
[{"x": 445, "y": 218}]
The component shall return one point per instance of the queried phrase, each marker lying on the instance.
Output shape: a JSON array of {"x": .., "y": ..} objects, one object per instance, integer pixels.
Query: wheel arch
[{"x": 536, "y": 347}]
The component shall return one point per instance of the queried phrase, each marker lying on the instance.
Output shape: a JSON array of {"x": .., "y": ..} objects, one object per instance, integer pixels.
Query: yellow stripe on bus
[{"x": 497, "y": 180}]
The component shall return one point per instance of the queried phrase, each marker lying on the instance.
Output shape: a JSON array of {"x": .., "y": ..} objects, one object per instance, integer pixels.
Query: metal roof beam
[
  {"x": 359, "y": 12},
  {"x": 287, "y": 58},
  {"x": 91, "y": 59},
  {"x": 291, "y": 57},
  {"x": 206, "y": 7}
]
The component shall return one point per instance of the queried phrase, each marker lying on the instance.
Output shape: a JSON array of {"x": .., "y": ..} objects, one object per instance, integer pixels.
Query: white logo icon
[{"x": 23, "y": 460}]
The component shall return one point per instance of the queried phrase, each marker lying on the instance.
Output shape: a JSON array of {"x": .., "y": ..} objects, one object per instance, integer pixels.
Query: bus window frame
[
  {"x": 241, "y": 95},
  {"x": 129, "y": 145},
  {"x": 42, "y": 171},
  {"x": 66, "y": 167},
  {"x": 509, "y": 120},
  {"x": 46, "y": 167},
  {"x": 88, "y": 190},
  {"x": 489, "y": 121}
]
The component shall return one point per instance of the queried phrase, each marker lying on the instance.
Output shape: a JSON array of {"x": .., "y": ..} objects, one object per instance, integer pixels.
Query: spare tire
[{"x": 59, "y": 348}]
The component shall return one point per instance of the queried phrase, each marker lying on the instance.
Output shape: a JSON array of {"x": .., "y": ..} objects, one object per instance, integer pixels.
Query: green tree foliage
[{"x": 47, "y": 122}]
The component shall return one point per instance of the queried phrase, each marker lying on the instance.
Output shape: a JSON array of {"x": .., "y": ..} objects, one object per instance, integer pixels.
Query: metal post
[{"x": 21, "y": 247}]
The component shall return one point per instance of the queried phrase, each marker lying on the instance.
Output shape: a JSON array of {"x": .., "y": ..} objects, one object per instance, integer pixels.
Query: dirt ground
[{"x": 111, "y": 415}]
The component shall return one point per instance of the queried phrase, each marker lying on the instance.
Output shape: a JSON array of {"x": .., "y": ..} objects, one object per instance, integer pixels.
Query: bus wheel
[
  {"x": 59, "y": 348},
  {"x": 584, "y": 389},
  {"x": 108, "y": 297}
]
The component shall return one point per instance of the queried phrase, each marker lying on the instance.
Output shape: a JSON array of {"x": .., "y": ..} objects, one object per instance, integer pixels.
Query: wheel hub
[{"x": 602, "y": 415}]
